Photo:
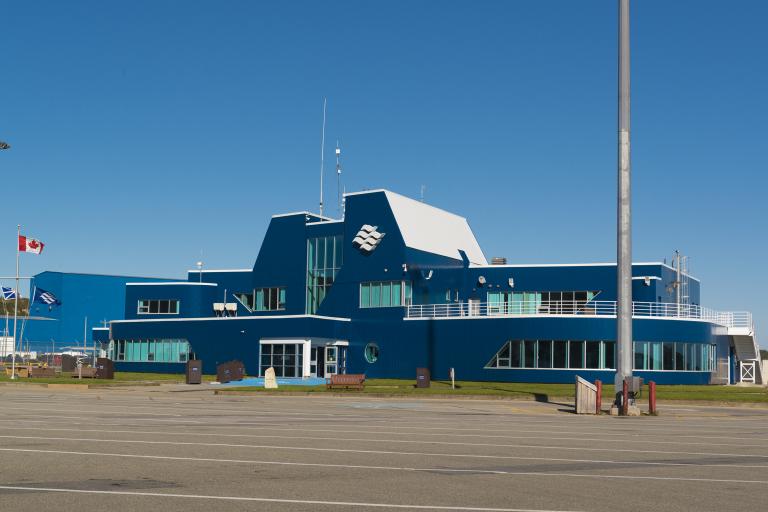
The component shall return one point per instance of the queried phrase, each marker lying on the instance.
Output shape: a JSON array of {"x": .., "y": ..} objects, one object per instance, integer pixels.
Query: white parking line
[
  {"x": 284, "y": 427},
  {"x": 287, "y": 427},
  {"x": 394, "y": 441},
  {"x": 502, "y": 416},
  {"x": 269, "y": 500},
  {"x": 383, "y": 468},
  {"x": 272, "y": 422},
  {"x": 388, "y": 452}
]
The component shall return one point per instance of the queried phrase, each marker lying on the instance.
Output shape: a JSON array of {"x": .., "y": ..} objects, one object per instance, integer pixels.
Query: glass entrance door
[
  {"x": 331, "y": 361},
  {"x": 313, "y": 362}
]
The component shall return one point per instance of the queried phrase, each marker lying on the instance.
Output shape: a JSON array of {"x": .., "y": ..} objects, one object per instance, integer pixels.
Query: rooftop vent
[{"x": 498, "y": 260}]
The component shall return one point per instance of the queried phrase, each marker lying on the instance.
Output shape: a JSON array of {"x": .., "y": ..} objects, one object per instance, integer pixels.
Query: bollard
[
  {"x": 652, "y": 398},
  {"x": 599, "y": 398},
  {"x": 624, "y": 398}
]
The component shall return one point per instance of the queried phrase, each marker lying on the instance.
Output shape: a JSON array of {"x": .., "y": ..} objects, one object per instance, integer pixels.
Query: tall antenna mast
[
  {"x": 624, "y": 212},
  {"x": 338, "y": 173},
  {"x": 343, "y": 201},
  {"x": 322, "y": 157}
]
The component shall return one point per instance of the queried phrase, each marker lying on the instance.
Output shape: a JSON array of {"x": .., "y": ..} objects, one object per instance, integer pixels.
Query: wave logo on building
[{"x": 367, "y": 239}]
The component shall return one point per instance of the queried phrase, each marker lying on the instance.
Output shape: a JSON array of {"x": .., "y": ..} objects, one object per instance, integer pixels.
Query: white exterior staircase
[{"x": 747, "y": 353}]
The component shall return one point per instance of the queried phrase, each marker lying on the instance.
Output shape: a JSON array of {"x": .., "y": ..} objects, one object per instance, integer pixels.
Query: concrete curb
[
  {"x": 355, "y": 394},
  {"x": 65, "y": 384},
  {"x": 70, "y": 387},
  {"x": 553, "y": 399}
]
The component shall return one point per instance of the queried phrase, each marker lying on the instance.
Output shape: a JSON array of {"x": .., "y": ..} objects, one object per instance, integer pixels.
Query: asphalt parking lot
[{"x": 166, "y": 449}]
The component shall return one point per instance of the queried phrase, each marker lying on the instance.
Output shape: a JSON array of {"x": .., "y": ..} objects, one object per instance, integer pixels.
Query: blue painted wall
[
  {"x": 231, "y": 281},
  {"x": 216, "y": 340},
  {"x": 195, "y": 299},
  {"x": 98, "y": 297}
]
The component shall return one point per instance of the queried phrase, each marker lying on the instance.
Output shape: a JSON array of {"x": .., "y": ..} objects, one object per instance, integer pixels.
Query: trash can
[
  {"x": 229, "y": 371},
  {"x": 224, "y": 373},
  {"x": 105, "y": 368},
  {"x": 422, "y": 377},
  {"x": 194, "y": 371},
  {"x": 238, "y": 370}
]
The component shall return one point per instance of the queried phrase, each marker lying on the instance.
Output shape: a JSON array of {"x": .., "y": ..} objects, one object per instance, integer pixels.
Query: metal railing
[{"x": 578, "y": 308}]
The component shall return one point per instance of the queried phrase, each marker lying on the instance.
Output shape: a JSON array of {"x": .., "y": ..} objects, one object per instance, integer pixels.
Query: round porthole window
[{"x": 371, "y": 352}]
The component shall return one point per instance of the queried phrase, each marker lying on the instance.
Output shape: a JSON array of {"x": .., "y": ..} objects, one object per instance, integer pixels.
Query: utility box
[
  {"x": 194, "y": 371},
  {"x": 68, "y": 363},
  {"x": 105, "y": 368},
  {"x": 586, "y": 397},
  {"x": 634, "y": 384},
  {"x": 422, "y": 377}
]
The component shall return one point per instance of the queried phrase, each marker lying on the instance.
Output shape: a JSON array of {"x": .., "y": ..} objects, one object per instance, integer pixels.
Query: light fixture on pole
[{"x": 338, "y": 177}]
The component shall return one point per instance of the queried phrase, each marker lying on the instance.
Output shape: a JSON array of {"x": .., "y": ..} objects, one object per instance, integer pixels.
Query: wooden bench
[{"x": 346, "y": 381}]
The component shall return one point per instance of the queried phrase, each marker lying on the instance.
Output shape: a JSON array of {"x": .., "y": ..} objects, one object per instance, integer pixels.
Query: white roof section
[
  {"x": 174, "y": 283},
  {"x": 303, "y": 212},
  {"x": 196, "y": 271},
  {"x": 430, "y": 229}
]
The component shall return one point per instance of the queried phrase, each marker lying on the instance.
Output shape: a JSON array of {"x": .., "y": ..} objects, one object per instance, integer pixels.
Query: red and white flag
[{"x": 30, "y": 245}]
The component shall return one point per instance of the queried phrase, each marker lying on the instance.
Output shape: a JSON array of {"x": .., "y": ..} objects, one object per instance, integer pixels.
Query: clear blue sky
[{"x": 145, "y": 131}]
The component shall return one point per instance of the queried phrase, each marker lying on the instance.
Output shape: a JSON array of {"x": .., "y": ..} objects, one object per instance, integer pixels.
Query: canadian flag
[{"x": 30, "y": 245}]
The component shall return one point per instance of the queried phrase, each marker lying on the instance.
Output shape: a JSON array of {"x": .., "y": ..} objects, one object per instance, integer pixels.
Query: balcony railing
[{"x": 578, "y": 308}]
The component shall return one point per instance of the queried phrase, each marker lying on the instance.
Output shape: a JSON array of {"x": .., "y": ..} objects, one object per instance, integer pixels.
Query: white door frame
[
  {"x": 747, "y": 371},
  {"x": 335, "y": 364},
  {"x": 305, "y": 343}
]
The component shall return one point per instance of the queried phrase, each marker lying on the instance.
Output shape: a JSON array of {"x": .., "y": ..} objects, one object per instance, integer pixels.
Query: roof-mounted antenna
[
  {"x": 423, "y": 188},
  {"x": 338, "y": 174},
  {"x": 322, "y": 157},
  {"x": 200, "y": 266}
]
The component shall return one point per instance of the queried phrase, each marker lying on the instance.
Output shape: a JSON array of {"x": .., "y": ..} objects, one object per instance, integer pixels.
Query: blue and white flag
[
  {"x": 8, "y": 293},
  {"x": 45, "y": 297}
]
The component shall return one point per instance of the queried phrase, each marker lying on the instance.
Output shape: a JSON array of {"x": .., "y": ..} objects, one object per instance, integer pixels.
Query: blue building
[
  {"x": 398, "y": 284},
  {"x": 87, "y": 301}
]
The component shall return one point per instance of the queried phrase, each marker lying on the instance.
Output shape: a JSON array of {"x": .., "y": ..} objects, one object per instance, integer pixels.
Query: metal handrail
[{"x": 578, "y": 308}]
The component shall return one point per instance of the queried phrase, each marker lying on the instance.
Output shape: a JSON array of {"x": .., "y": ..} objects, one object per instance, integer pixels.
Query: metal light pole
[
  {"x": 5, "y": 145},
  {"x": 624, "y": 217}
]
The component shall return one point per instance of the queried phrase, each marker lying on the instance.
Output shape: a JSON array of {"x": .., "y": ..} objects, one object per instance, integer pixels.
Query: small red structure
[
  {"x": 599, "y": 398},
  {"x": 652, "y": 398},
  {"x": 624, "y": 398}
]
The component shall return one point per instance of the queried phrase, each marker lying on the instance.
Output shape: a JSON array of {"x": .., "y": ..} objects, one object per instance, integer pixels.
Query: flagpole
[
  {"x": 21, "y": 331},
  {"x": 16, "y": 305}
]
